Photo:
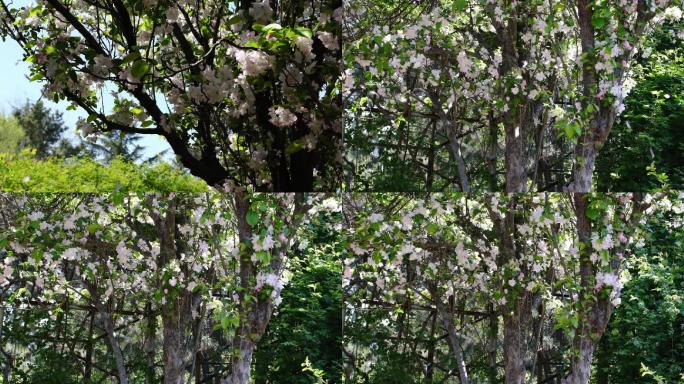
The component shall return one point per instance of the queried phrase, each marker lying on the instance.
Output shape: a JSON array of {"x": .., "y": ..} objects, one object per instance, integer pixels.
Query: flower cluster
[{"x": 282, "y": 117}]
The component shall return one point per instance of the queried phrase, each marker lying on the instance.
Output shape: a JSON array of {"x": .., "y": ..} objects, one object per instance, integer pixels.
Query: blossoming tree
[
  {"x": 210, "y": 267},
  {"x": 493, "y": 95},
  {"x": 532, "y": 263},
  {"x": 244, "y": 92}
]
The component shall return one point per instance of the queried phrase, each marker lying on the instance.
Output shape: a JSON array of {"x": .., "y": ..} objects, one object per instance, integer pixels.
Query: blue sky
[{"x": 15, "y": 88}]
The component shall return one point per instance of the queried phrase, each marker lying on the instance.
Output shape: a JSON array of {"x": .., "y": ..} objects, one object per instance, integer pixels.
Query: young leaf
[{"x": 252, "y": 218}]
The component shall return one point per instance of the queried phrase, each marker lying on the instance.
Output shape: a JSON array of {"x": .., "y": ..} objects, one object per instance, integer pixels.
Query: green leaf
[
  {"x": 294, "y": 147},
  {"x": 460, "y": 5},
  {"x": 575, "y": 321},
  {"x": 306, "y": 32},
  {"x": 598, "y": 21},
  {"x": 139, "y": 69},
  {"x": 264, "y": 256},
  {"x": 234, "y": 19},
  {"x": 130, "y": 57},
  {"x": 272, "y": 26},
  {"x": 569, "y": 132},
  {"x": 253, "y": 44},
  {"x": 593, "y": 213},
  {"x": 117, "y": 198},
  {"x": 432, "y": 228},
  {"x": 572, "y": 130},
  {"x": 252, "y": 218}
]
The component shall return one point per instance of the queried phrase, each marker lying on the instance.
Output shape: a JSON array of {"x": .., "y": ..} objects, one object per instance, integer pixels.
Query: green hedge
[{"x": 24, "y": 173}]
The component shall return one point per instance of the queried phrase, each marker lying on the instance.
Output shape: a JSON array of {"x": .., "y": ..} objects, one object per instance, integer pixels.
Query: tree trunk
[
  {"x": 581, "y": 364},
  {"x": 513, "y": 316},
  {"x": 515, "y": 164},
  {"x": 175, "y": 313},
  {"x": 173, "y": 345},
  {"x": 242, "y": 344},
  {"x": 516, "y": 175},
  {"x": 2, "y": 317},
  {"x": 593, "y": 316},
  {"x": 113, "y": 343},
  {"x": 110, "y": 331},
  {"x": 6, "y": 369},
  {"x": 150, "y": 344},
  {"x": 430, "y": 369},
  {"x": 255, "y": 313},
  {"x": 242, "y": 362},
  {"x": 455, "y": 146},
  {"x": 492, "y": 153},
  {"x": 585, "y": 150},
  {"x": 452, "y": 334},
  {"x": 493, "y": 338},
  {"x": 594, "y": 312},
  {"x": 513, "y": 356},
  {"x": 87, "y": 370},
  {"x": 116, "y": 349}
]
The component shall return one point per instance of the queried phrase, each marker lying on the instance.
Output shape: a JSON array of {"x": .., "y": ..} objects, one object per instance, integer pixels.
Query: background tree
[
  {"x": 646, "y": 331},
  {"x": 42, "y": 127},
  {"x": 108, "y": 146},
  {"x": 650, "y": 130},
  {"x": 11, "y": 135},
  {"x": 308, "y": 323}
]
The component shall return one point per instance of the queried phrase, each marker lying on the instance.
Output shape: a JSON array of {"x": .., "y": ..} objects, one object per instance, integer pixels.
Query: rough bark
[
  {"x": 242, "y": 362},
  {"x": 175, "y": 313},
  {"x": 2, "y": 323},
  {"x": 514, "y": 140},
  {"x": 584, "y": 342},
  {"x": 8, "y": 358},
  {"x": 585, "y": 151},
  {"x": 514, "y": 313},
  {"x": 242, "y": 343},
  {"x": 173, "y": 344},
  {"x": 492, "y": 153},
  {"x": 2, "y": 317},
  {"x": 514, "y": 358}
]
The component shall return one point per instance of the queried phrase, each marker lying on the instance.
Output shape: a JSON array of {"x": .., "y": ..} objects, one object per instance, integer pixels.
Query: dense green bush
[
  {"x": 646, "y": 333},
  {"x": 25, "y": 173},
  {"x": 308, "y": 323},
  {"x": 651, "y": 130}
]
